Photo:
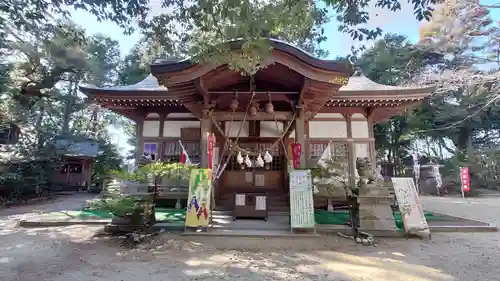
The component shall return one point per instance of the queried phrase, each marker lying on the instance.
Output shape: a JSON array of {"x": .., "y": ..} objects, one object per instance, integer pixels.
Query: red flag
[
  {"x": 464, "y": 175},
  {"x": 210, "y": 149},
  {"x": 184, "y": 155}
]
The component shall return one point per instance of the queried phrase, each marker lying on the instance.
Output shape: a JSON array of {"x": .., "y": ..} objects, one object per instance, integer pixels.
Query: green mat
[
  {"x": 340, "y": 217},
  {"x": 162, "y": 214}
]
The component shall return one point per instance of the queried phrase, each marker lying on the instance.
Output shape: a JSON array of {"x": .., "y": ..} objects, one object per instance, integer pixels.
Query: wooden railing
[{"x": 172, "y": 189}]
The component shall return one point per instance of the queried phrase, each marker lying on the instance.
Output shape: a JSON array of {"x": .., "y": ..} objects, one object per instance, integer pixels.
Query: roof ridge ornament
[{"x": 357, "y": 71}]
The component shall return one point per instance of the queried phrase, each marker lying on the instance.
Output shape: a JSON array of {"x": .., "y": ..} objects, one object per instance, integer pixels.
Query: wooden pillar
[
  {"x": 351, "y": 154},
  {"x": 139, "y": 127},
  {"x": 161, "y": 144},
  {"x": 206, "y": 127},
  {"x": 371, "y": 145},
  {"x": 300, "y": 136},
  {"x": 372, "y": 152}
]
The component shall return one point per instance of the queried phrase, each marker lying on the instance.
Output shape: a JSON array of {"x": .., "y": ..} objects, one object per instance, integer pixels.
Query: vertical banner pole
[
  {"x": 464, "y": 180},
  {"x": 460, "y": 175}
]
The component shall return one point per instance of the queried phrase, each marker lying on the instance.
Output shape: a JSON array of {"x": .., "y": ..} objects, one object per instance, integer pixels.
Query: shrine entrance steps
[{"x": 277, "y": 225}]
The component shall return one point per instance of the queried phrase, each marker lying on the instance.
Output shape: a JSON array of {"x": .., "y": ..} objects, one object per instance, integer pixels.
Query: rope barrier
[{"x": 234, "y": 145}]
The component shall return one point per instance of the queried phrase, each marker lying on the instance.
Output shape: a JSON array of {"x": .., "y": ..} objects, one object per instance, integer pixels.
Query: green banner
[{"x": 198, "y": 208}]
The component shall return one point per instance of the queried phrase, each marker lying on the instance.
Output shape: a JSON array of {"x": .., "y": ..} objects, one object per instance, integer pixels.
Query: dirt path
[{"x": 71, "y": 253}]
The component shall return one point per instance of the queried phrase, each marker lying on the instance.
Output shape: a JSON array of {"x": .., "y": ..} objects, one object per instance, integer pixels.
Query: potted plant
[
  {"x": 131, "y": 209},
  {"x": 174, "y": 176}
]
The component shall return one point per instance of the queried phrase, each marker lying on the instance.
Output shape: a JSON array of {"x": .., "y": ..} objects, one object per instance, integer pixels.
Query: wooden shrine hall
[{"x": 295, "y": 98}]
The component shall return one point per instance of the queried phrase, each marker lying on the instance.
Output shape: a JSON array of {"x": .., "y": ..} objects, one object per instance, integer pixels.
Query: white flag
[
  {"x": 327, "y": 155},
  {"x": 184, "y": 156}
]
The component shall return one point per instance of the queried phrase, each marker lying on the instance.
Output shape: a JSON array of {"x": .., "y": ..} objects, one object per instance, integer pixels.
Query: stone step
[
  {"x": 226, "y": 222},
  {"x": 281, "y": 197},
  {"x": 229, "y": 206},
  {"x": 270, "y": 213}
]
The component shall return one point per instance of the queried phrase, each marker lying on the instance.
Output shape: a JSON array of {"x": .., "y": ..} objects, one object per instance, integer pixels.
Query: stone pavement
[
  {"x": 73, "y": 253},
  {"x": 485, "y": 209}
]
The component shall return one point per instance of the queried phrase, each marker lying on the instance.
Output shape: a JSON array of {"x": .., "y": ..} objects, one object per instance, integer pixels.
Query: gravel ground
[{"x": 76, "y": 254}]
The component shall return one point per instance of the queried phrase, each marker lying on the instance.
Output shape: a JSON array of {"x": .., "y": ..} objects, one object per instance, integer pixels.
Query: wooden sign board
[
  {"x": 411, "y": 210},
  {"x": 301, "y": 200},
  {"x": 200, "y": 188},
  {"x": 193, "y": 134}
]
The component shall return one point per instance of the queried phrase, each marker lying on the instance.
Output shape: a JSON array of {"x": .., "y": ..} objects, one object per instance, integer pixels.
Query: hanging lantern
[
  {"x": 234, "y": 104},
  {"x": 269, "y": 108},
  {"x": 297, "y": 150},
  {"x": 252, "y": 111}
]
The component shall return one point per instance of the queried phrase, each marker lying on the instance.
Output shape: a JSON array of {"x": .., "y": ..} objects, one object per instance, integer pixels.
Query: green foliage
[
  {"x": 126, "y": 205},
  {"x": 392, "y": 61},
  {"x": 107, "y": 160},
  {"x": 27, "y": 179},
  {"x": 175, "y": 171},
  {"x": 115, "y": 202},
  {"x": 192, "y": 28},
  {"x": 41, "y": 69},
  {"x": 460, "y": 118},
  {"x": 331, "y": 178}
]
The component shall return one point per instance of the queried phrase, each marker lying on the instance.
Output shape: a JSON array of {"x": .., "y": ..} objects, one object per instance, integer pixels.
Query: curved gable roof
[{"x": 162, "y": 66}]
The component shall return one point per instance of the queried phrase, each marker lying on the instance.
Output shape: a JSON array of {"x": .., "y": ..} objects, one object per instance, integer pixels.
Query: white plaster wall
[
  {"x": 359, "y": 129},
  {"x": 151, "y": 129},
  {"x": 268, "y": 129},
  {"x": 358, "y": 116},
  {"x": 362, "y": 150},
  {"x": 180, "y": 115},
  {"x": 328, "y": 115},
  {"x": 235, "y": 127},
  {"x": 327, "y": 129},
  {"x": 172, "y": 129},
  {"x": 153, "y": 115}
]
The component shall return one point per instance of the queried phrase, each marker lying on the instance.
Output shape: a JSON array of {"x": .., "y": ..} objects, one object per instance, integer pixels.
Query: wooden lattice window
[
  {"x": 339, "y": 152},
  {"x": 279, "y": 160},
  {"x": 277, "y": 164},
  {"x": 173, "y": 151}
]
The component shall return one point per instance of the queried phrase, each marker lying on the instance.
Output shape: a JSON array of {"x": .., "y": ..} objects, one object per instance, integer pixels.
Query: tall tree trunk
[
  {"x": 38, "y": 128},
  {"x": 92, "y": 126},
  {"x": 69, "y": 106},
  {"x": 464, "y": 143}
]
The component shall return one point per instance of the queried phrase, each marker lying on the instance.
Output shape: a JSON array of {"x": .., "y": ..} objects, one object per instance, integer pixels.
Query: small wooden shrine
[
  {"x": 295, "y": 98},
  {"x": 77, "y": 155}
]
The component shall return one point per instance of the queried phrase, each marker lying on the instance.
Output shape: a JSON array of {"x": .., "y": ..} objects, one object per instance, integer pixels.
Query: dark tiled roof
[{"x": 76, "y": 146}]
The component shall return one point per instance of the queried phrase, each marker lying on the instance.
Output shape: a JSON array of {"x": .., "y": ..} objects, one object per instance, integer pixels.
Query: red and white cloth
[{"x": 184, "y": 156}]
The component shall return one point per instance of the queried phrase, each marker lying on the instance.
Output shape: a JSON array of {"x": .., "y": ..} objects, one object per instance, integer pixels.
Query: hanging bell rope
[
  {"x": 231, "y": 144},
  {"x": 285, "y": 151},
  {"x": 234, "y": 144},
  {"x": 234, "y": 107}
]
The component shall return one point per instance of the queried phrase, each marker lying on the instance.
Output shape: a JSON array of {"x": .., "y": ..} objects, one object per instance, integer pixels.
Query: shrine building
[{"x": 295, "y": 98}]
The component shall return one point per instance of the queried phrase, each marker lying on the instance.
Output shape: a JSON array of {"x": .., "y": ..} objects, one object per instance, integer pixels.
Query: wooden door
[{"x": 255, "y": 179}]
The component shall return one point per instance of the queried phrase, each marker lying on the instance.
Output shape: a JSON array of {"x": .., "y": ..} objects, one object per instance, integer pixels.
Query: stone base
[
  {"x": 383, "y": 233},
  {"x": 375, "y": 212}
]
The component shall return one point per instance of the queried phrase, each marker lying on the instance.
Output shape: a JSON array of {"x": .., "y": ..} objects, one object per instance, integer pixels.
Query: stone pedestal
[{"x": 375, "y": 212}]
